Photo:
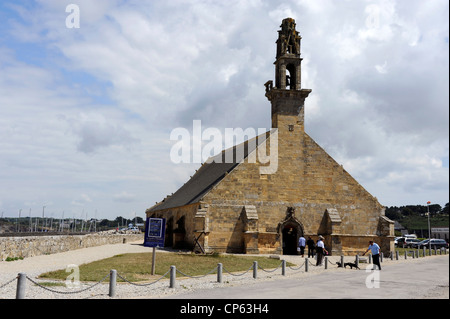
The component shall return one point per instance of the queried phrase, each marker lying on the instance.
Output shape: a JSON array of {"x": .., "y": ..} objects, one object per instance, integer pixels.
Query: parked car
[
  {"x": 401, "y": 242},
  {"x": 410, "y": 242},
  {"x": 435, "y": 243}
]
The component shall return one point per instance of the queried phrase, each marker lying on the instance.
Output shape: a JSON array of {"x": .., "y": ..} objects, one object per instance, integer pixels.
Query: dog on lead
[{"x": 351, "y": 265}]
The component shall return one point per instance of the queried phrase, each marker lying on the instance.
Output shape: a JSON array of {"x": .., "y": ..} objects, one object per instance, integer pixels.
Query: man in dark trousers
[
  {"x": 301, "y": 245},
  {"x": 310, "y": 243},
  {"x": 320, "y": 250},
  {"x": 376, "y": 250}
]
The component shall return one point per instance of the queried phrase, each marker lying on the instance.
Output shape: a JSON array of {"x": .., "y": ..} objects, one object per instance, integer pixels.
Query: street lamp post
[{"x": 429, "y": 228}]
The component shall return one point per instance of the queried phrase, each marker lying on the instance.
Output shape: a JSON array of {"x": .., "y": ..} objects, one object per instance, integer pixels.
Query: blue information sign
[{"x": 155, "y": 229}]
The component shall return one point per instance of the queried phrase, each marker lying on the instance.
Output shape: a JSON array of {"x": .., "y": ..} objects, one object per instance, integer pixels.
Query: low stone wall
[{"x": 45, "y": 245}]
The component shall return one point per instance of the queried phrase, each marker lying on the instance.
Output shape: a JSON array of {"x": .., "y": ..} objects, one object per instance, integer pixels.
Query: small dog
[
  {"x": 351, "y": 265},
  {"x": 339, "y": 264}
]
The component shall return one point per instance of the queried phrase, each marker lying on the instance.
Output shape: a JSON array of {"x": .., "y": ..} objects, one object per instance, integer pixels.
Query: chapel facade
[{"x": 238, "y": 207}]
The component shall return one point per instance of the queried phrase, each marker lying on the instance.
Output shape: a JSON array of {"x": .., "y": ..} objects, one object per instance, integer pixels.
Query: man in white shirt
[
  {"x": 375, "y": 249},
  {"x": 301, "y": 245},
  {"x": 320, "y": 249}
]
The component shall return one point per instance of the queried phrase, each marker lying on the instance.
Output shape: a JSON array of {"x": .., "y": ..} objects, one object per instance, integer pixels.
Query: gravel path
[{"x": 34, "y": 266}]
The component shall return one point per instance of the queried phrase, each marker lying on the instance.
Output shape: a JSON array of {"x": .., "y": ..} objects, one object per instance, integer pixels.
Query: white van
[{"x": 412, "y": 236}]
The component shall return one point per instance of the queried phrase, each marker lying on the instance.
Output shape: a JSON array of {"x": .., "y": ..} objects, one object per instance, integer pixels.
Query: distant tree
[
  {"x": 393, "y": 213},
  {"x": 104, "y": 223},
  {"x": 445, "y": 210},
  {"x": 435, "y": 209},
  {"x": 407, "y": 211},
  {"x": 139, "y": 220}
]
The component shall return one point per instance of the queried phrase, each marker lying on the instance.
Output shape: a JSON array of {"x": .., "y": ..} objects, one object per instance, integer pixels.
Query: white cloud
[
  {"x": 124, "y": 197},
  {"x": 82, "y": 200},
  {"x": 383, "y": 69},
  {"x": 95, "y": 131},
  {"x": 90, "y": 110}
]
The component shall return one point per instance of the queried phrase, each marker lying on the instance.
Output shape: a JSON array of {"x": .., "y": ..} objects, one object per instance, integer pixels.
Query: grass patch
[{"x": 137, "y": 267}]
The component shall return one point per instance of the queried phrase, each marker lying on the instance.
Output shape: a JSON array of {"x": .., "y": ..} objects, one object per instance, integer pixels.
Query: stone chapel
[{"x": 238, "y": 208}]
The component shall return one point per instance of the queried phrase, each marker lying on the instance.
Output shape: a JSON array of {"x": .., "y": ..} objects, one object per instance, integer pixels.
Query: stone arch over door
[{"x": 290, "y": 230}]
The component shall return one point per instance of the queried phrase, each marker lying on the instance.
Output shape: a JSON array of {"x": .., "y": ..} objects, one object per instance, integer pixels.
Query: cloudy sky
[{"x": 86, "y": 113}]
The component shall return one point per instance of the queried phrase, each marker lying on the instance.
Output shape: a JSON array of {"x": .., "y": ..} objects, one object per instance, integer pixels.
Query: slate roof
[{"x": 208, "y": 175}]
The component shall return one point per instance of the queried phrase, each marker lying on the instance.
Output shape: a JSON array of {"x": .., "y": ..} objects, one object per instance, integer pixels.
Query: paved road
[{"x": 426, "y": 278}]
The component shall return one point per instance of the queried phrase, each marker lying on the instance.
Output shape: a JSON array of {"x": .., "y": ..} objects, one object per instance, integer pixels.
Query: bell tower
[{"x": 287, "y": 97}]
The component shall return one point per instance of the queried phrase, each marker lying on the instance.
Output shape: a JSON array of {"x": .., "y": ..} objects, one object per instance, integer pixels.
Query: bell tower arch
[
  {"x": 287, "y": 97},
  {"x": 288, "y": 57}
]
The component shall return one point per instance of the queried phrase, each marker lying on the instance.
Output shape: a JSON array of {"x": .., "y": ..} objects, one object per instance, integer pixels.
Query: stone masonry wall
[
  {"x": 179, "y": 225},
  {"x": 307, "y": 179},
  {"x": 44, "y": 245}
]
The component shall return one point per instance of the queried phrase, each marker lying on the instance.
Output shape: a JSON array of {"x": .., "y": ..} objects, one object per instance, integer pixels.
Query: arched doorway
[
  {"x": 291, "y": 230},
  {"x": 290, "y": 239}
]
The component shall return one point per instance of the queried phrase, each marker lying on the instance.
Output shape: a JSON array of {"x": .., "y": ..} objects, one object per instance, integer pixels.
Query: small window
[{"x": 291, "y": 128}]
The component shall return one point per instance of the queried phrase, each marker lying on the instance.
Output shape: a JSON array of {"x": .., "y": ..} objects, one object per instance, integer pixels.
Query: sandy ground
[{"x": 34, "y": 266}]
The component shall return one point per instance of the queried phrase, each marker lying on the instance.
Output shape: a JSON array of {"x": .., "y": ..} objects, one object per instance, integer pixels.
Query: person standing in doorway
[
  {"x": 301, "y": 245},
  {"x": 310, "y": 243},
  {"x": 376, "y": 250},
  {"x": 320, "y": 250}
]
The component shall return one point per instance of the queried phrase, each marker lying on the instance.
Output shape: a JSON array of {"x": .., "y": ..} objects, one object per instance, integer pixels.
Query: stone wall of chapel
[{"x": 307, "y": 179}]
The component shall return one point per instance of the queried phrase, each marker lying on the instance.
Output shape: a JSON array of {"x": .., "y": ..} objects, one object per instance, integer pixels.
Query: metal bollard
[
  {"x": 306, "y": 264},
  {"x": 406, "y": 255},
  {"x": 283, "y": 267},
  {"x": 357, "y": 260},
  {"x": 381, "y": 257},
  {"x": 326, "y": 262},
  {"x": 112, "y": 282},
  {"x": 370, "y": 258},
  {"x": 396, "y": 255},
  {"x": 392, "y": 255},
  {"x": 21, "y": 281},
  {"x": 219, "y": 272},
  {"x": 424, "y": 251},
  {"x": 342, "y": 261},
  {"x": 255, "y": 269},
  {"x": 173, "y": 276}
]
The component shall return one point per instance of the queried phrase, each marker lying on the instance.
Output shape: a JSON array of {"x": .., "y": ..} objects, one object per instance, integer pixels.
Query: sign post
[
  {"x": 153, "y": 261},
  {"x": 155, "y": 229}
]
